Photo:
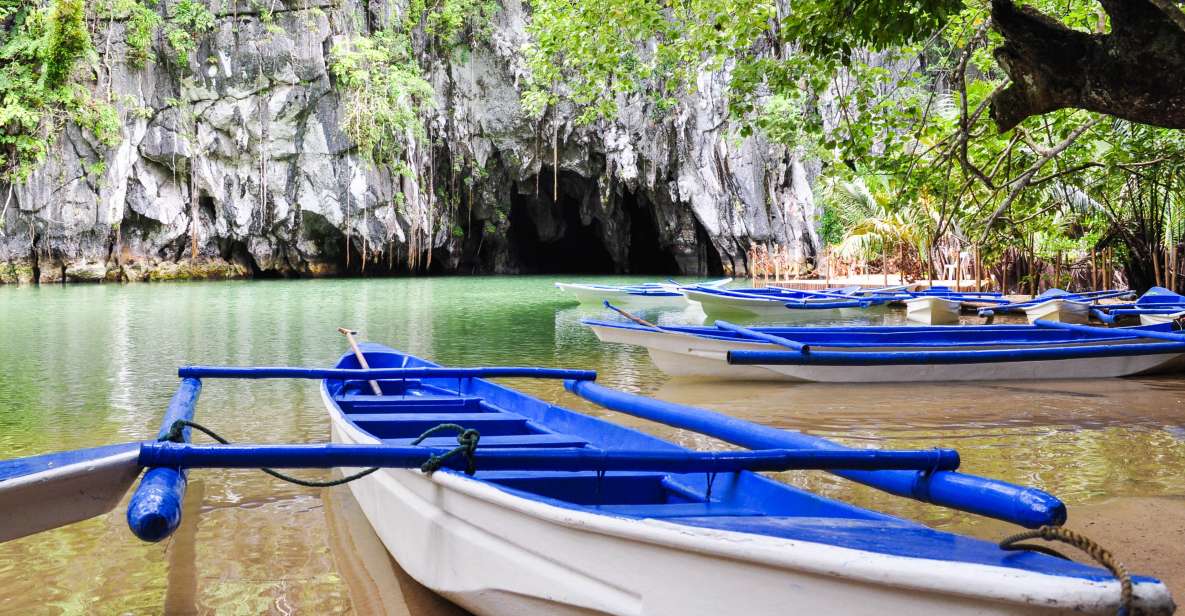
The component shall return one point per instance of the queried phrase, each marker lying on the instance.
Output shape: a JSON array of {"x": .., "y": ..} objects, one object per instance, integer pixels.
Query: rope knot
[{"x": 467, "y": 439}]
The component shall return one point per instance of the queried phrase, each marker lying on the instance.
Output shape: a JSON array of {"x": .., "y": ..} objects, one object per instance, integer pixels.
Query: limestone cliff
[{"x": 240, "y": 158}]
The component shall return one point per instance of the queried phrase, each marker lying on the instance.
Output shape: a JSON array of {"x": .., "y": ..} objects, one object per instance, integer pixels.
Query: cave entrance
[
  {"x": 646, "y": 255},
  {"x": 579, "y": 249}
]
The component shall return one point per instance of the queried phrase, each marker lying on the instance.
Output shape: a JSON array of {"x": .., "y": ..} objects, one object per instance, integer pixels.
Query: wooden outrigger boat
[
  {"x": 540, "y": 509},
  {"x": 1046, "y": 350},
  {"x": 655, "y": 294}
]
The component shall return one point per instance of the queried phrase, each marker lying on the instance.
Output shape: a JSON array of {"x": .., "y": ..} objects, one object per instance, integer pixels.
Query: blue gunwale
[
  {"x": 743, "y": 502},
  {"x": 946, "y": 336}
]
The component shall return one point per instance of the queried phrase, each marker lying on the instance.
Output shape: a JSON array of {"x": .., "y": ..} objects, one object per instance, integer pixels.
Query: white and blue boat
[
  {"x": 650, "y": 294},
  {"x": 1056, "y": 305},
  {"x": 896, "y": 354},
  {"x": 1157, "y": 305},
  {"x": 779, "y": 304},
  {"x": 537, "y": 509}
]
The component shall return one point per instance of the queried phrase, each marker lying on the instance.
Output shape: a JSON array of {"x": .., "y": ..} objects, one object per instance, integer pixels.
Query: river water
[{"x": 89, "y": 365}]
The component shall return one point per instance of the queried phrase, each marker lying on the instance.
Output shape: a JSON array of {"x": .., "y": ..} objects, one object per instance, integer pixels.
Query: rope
[
  {"x": 1096, "y": 551},
  {"x": 467, "y": 444}
]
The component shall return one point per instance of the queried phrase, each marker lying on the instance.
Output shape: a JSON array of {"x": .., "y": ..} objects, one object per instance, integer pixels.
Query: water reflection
[{"x": 88, "y": 365}]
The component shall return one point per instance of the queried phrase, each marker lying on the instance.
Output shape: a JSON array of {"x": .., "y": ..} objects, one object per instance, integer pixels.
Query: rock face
[{"x": 237, "y": 165}]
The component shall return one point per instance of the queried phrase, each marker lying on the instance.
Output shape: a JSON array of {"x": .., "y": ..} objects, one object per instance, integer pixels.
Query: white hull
[
  {"x": 933, "y": 310},
  {"x": 1059, "y": 311},
  {"x": 595, "y": 296},
  {"x": 1160, "y": 319},
  {"x": 720, "y": 306},
  {"x": 685, "y": 355},
  {"x": 497, "y": 554}
]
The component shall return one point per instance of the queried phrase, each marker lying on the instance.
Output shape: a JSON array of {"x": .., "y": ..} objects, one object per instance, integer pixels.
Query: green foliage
[
  {"x": 893, "y": 93},
  {"x": 189, "y": 21},
  {"x": 384, "y": 94},
  {"x": 39, "y": 89},
  {"x": 141, "y": 23},
  {"x": 448, "y": 20},
  {"x": 66, "y": 41}
]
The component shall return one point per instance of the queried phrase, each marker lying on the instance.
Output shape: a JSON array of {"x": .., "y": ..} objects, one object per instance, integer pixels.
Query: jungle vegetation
[{"x": 1040, "y": 135}]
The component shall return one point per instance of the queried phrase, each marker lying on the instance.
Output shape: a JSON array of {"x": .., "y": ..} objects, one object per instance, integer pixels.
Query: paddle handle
[{"x": 349, "y": 334}]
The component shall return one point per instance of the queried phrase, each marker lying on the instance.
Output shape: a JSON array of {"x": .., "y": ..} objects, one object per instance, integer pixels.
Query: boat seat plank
[
  {"x": 679, "y": 510},
  {"x": 411, "y": 425},
  {"x": 355, "y": 404},
  {"x": 425, "y": 399},
  {"x": 515, "y": 440}
]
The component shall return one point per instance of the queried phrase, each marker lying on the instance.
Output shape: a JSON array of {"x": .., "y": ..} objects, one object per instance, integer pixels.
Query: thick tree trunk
[{"x": 1135, "y": 72}]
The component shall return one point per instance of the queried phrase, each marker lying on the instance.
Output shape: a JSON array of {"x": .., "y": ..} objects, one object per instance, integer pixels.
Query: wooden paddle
[
  {"x": 349, "y": 334},
  {"x": 638, "y": 320}
]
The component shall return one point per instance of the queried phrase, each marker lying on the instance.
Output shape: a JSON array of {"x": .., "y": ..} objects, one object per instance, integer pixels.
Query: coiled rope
[
  {"x": 1096, "y": 551},
  {"x": 467, "y": 444}
]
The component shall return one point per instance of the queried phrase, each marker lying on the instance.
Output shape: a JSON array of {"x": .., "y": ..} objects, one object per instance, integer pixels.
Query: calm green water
[{"x": 90, "y": 365}]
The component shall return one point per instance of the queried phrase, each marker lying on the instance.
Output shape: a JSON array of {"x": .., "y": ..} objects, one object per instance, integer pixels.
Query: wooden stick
[
  {"x": 638, "y": 320},
  {"x": 349, "y": 334}
]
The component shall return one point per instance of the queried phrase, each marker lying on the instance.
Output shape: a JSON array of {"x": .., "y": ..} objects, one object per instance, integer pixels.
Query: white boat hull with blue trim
[
  {"x": 598, "y": 295},
  {"x": 500, "y": 547},
  {"x": 681, "y": 353},
  {"x": 1059, "y": 311},
  {"x": 716, "y": 305},
  {"x": 933, "y": 310},
  {"x": 1161, "y": 318}
]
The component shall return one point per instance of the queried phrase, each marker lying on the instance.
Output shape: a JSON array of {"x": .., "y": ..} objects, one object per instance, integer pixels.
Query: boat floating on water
[
  {"x": 896, "y": 354},
  {"x": 535, "y": 508},
  {"x": 650, "y": 294},
  {"x": 933, "y": 309},
  {"x": 776, "y": 303}
]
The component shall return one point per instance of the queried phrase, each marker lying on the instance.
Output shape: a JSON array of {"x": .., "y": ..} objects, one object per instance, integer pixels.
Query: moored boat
[
  {"x": 1059, "y": 310},
  {"x": 1160, "y": 318},
  {"x": 651, "y": 294},
  {"x": 933, "y": 310},
  {"x": 903, "y": 354},
  {"x": 601, "y": 518},
  {"x": 776, "y": 304}
]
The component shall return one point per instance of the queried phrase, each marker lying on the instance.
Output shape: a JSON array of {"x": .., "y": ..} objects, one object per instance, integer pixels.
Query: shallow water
[{"x": 89, "y": 365}]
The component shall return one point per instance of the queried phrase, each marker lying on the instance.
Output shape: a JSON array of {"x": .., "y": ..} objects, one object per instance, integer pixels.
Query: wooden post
[
  {"x": 977, "y": 267},
  {"x": 827, "y": 256},
  {"x": 958, "y": 268},
  {"x": 885, "y": 261},
  {"x": 1004, "y": 271}
]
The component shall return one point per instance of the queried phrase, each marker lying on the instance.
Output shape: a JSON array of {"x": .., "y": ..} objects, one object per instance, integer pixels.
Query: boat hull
[
  {"x": 933, "y": 310},
  {"x": 1059, "y": 311},
  {"x": 1157, "y": 319},
  {"x": 721, "y": 306},
  {"x": 495, "y": 553},
  {"x": 690, "y": 356},
  {"x": 596, "y": 296}
]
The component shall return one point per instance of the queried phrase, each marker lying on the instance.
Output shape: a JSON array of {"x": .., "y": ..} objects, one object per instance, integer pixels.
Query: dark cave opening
[
  {"x": 646, "y": 254},
  {"x": 710, "y": 263},
  {"x": 579, "y": 248}
]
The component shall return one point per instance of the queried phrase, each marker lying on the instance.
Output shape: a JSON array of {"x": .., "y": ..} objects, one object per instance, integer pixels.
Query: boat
[
  {"x": 1060, "y": 310},
  {"x": 933, "y": 309},
  {"x": 538, "y": 509},
  {"x": 1055, "y": 305},
  {"x": 651, "y": 294},
  {"x": 774, "y": 303},
  {"x": 895, "y": 354},
  {"x": 1157, "y": 305}
]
